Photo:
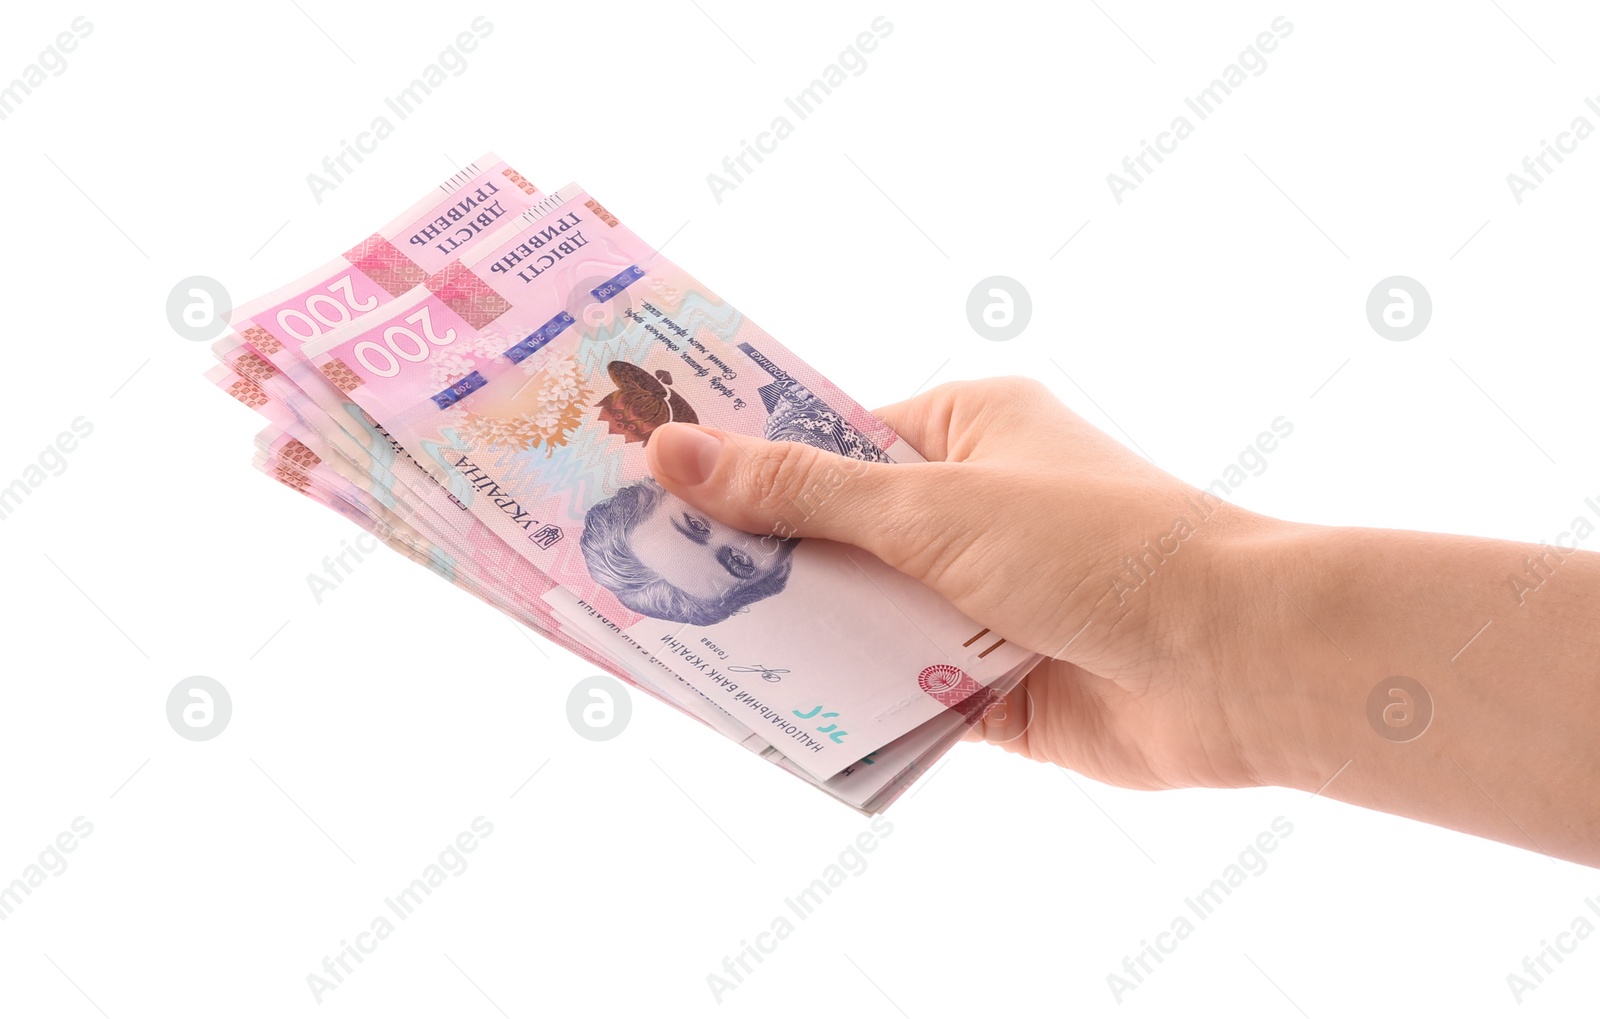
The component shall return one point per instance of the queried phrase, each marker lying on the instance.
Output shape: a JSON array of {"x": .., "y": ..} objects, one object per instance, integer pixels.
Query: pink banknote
[
  {"x": 486, "y": 569},
  {"x": 528, "y": 376},
  {"x": 267, "y": 333}
]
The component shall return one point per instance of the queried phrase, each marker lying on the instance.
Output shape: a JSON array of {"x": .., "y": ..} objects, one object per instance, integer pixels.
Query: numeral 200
[
  {"x": 324, "y": 311},
  {"x": 402, "y": 344}
]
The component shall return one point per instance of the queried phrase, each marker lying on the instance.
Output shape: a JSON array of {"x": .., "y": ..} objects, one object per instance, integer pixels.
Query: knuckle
[
  {"x": 942, "y": 399},
  {"x": 949, "y": 550},
  {"x": 1018, "y": 388},
  {"x": 945, "y": 391},
  {"x": 932, "y": 552},
  {"x": 777, "y": 478},
  {"x": 1012, "y": 401}
]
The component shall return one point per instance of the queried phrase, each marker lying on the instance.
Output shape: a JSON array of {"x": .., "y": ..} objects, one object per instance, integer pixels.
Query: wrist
[{"x": 1280, "y": 649}]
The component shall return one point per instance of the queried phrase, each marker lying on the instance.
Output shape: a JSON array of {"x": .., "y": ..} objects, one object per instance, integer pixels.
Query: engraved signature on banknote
[{"x": 770, "y": 675}]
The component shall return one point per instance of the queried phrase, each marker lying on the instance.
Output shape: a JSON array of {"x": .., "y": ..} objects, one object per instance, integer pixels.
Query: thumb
[{"x": 783, "y": 488}]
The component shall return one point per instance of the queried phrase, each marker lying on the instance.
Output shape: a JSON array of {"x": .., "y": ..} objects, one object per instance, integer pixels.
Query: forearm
[{"x": 1501, "y": 636}]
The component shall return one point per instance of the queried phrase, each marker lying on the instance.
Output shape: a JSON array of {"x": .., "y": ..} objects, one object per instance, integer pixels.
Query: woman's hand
[
  {"x": 1191, "y": 642},
  {"x": 1038, "y": 525}
]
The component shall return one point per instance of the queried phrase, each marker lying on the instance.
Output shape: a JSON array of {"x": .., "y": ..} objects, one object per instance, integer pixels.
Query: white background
[{"x": 370, "y": 729}]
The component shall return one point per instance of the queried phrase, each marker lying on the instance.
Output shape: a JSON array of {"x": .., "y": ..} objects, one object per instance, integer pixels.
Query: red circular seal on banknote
[
  {"x": 936, "y": 679},
  {"x": 947, "y": 684}
]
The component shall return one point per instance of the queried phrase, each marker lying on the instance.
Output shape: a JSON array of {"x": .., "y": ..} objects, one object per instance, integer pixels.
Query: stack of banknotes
[{"x": 476, "y": 384}]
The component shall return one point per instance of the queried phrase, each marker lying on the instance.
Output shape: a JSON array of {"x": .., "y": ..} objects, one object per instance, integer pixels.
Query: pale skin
[{"x": 1245, "y": 653}]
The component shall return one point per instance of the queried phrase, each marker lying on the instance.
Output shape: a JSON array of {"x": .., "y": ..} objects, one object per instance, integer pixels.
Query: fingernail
[{"x": 687, "y": 454}]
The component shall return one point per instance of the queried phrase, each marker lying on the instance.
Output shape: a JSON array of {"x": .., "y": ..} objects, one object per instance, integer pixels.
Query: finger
[
  {"x": 922, "y": 421},
  {"x": 787, "y": 488},
  {"x": 1009, "y": 716}
]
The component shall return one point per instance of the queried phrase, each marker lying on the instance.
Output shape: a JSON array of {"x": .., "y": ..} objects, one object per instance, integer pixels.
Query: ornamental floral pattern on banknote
[
  {"x": 556, "y": 407},
  {"x": 488, "y": 345},
  {"x": 664, "y": 290}
]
